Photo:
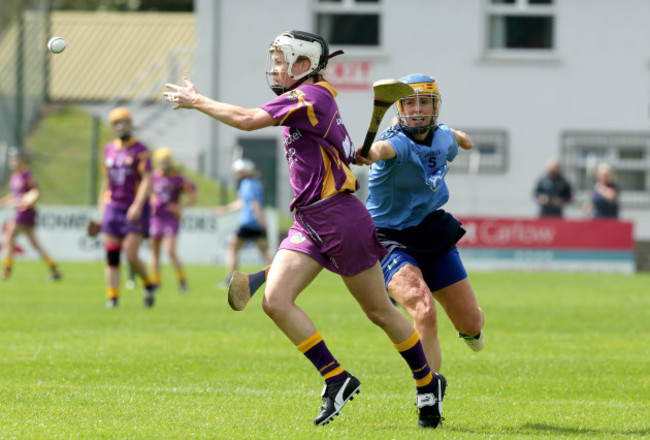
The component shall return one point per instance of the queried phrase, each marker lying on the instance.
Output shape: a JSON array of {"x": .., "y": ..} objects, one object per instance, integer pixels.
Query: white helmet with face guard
[
  {"x": 426, "y": 93},
  {"x": 297, "y": 46}
]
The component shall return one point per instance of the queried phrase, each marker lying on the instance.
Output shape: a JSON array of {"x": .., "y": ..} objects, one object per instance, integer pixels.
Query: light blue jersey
[
  {"x": 250, "y": 189},
  {"x": 403, "y": 190}
]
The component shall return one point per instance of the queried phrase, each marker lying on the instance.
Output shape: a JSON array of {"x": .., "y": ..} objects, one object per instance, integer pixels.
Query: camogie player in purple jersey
[
  {"x": 166, "y": 208},
  {"x": 124, "y": 205},
  {"x": 332, "y": 228},
  {"x": 24, "y": 194}
]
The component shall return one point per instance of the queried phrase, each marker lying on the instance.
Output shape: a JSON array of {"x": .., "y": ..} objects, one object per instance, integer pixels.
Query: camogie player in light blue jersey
[
  {"x": 252, "y": 224},
  {"x": 406, "y": 192},
  {"x": 332, "y": 229}
]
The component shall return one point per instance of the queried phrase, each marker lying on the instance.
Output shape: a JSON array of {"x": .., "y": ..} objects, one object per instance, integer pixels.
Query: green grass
[
  {"x": 60, "y": 152},
  {"x": 567, "y": 356}
]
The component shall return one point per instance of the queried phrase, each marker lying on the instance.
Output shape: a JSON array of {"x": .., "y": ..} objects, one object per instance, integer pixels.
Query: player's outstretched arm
[
  {"x": 238, "y": 117},
  {"x": 462, "y": 139},
  {"x": 379, "y": 151}
]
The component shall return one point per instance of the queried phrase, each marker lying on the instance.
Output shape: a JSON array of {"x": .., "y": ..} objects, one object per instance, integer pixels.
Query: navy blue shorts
[
  {"x": 250, "y": 234},
  {"x": 431, "y": 246},
  {"x": 438, "y": 272}
]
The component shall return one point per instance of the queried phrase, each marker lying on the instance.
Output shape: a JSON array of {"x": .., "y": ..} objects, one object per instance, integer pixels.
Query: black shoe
[
  {"x": 150, "y": 295},
  {"x": 430, "y": 404},
  {"x": 55, "y": 275},
  {"x": 335, "y": 396},
  {"x": 111, "y": 303}
]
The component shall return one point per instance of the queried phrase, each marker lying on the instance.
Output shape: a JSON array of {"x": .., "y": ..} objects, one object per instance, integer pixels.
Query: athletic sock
[
  {"x": 181, "y": 277},
  {"x": 316, "y": 351},
  {"x": 412, "y": 352},
  {"x": 112, "y": 292},
  {"x": 256, "y": 280},
  {"x": 155, "y": 279},
  {"x": 468, "y": 337},
  {"x": 7, "y": 263}
]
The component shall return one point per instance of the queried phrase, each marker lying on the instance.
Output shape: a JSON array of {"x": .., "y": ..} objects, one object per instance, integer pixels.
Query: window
[
  {"x": 489, "y": 155},
  {"x": 628, "y": 154},
  {"x": 520, "y": 25},
  {"x": 349, "y": 22}
]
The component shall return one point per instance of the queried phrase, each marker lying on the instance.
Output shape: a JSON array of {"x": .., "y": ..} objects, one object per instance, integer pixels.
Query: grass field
[{"x": 567, "y": 356}]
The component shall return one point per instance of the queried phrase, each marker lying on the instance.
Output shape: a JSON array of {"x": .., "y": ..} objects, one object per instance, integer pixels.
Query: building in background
[{"x": 526, "y": 78}]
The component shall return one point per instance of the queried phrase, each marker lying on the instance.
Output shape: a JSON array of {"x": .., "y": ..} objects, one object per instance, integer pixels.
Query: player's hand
[
  {"x": 175, "y": 209},
  {"x": 360, "y": 160},
  {"x": 134, "y": 213},
  {"x": 93, "y": 228},
  {"x": 184, "y": 97}
]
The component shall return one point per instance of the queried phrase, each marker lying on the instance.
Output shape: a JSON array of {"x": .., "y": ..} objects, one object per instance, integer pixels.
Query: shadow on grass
[
  {"x": 547, "y": 428},
  {"x": 551, "y": 429}
]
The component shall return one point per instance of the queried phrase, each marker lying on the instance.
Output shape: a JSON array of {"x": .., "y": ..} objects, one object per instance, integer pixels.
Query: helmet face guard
[
  {"x": 418, "y": 113},
  {"x": 296, "y": 46}
]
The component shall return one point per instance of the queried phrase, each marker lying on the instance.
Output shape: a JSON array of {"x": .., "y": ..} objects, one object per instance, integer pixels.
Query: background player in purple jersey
[
  {"x": 169, "y": 185},
  {"x": 24, "y": 194},
  {"x": 124, "y": 204},
  {"x": 332, "y": 228},
  {"x": 252, "y": 224}
]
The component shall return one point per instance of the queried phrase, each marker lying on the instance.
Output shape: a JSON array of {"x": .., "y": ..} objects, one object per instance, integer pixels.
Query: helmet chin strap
[{"x": 280, "y": 90}]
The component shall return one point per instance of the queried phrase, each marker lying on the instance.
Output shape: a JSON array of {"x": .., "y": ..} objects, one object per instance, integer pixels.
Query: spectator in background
[
  {"x": 604, "y": 194},
  {"x": 252, "y": 224},
  {"x": 23, "y": 196},
  {"x": 553, "y": 190}
]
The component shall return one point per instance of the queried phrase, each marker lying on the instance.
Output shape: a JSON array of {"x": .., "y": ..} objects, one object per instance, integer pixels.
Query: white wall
[{"x": 598, "y": 80}]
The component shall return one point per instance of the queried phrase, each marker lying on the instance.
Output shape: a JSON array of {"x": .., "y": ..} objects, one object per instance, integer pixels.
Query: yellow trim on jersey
[
  {"x": 329, "y": 127},
  {"x": 311, "y": 114},
  {"x": 329, "y": 185},
  {"x": 328, "y": 86},
  {"x": 310, "y": 342},
  {"x": 119, "y": 144},
  {"x": 409, "y": 343}
]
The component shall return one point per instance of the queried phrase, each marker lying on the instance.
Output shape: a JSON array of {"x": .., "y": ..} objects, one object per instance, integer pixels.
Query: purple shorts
[
  {"x": 26, "y": 218},
  {"x": 115, "y": 222},
  {"x": 338, "y": 233},
  {"x": 163, "y": 226}
]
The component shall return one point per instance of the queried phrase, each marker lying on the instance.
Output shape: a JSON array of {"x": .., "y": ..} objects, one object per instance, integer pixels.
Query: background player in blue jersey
[
  {"x": 252, "y": 224},
  {"x": 406, "y": 191}
]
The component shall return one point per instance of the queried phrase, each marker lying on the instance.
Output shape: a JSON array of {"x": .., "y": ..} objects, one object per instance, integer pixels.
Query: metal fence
[{"x": 24, "y": 29}]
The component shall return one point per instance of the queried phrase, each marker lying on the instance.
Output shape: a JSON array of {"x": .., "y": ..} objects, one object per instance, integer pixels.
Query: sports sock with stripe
[
  {"x": 316, "y": 351},
  {"x": 412, "y": 352}
]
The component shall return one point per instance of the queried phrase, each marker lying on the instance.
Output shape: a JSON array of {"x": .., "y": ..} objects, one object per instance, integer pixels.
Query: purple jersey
[
  {"x": 124, "y": 166},
  {"x": 168, "y": 189},
  {"x": 21, "y": 183},
  {"x": 317, "y": 145}
]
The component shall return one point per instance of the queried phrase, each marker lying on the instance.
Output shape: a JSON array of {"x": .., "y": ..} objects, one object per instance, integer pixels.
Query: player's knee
[
  {"x": 379, "y": 317},
  {"x": 113, "y": 255},
  {"x": 275, "y": 306}
]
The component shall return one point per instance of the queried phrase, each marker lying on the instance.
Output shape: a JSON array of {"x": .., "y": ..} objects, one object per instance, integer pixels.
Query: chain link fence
[{"x": 24, "y": 29}]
